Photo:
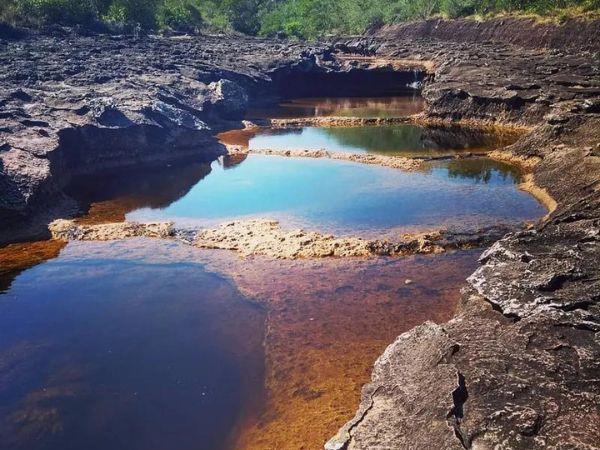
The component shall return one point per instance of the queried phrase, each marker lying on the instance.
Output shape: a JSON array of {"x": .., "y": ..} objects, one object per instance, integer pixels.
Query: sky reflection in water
[
  {"x": 347, "y": 197},
  {"x": 137, "y": 351}
]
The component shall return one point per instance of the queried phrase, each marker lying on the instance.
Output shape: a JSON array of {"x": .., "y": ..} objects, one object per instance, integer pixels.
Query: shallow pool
[
  {"x": 153, "y": 344},
  {"x": 351, "y": 198},
  {"x": 401, "y": 140}
]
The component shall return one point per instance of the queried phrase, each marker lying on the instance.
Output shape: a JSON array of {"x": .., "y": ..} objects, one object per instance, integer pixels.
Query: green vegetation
[
  {"x": 311, "y": 18},
  {"x": 300, "y": 18}
]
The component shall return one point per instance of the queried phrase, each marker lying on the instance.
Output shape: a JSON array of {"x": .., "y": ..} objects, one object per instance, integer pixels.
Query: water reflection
[
  {"x": 126, "y": 345},
  {"x": 483, "y": 170},
  {"x": 394, "y": 106},
  {"x": 401, "y": 140},
  {"x": 347, "y": 198},
  {"x": 110, "y": 197}
]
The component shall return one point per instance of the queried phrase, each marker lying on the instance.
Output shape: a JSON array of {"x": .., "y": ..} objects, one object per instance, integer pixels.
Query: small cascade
[{"x": 417, "y": 82}]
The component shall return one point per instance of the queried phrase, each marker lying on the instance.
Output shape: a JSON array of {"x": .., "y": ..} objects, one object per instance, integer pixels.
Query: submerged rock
[{"x": 265, "y": 237}]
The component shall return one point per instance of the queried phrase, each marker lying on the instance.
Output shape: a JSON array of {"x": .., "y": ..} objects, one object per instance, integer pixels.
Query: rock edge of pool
[{"x": 518, "y": 364}]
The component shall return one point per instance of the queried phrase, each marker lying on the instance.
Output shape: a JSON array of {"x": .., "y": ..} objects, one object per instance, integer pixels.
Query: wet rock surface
[{"x": 518, "y": 365}]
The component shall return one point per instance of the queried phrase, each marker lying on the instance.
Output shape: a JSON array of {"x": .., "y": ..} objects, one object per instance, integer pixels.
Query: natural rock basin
[
  {"x": 517, "y": 366},
  {"x": 349, "y": 198},
  {"x": 203, "y": 349}
]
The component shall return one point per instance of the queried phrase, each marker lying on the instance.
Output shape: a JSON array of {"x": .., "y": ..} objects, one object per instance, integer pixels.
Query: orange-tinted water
[{"x": 327, "y": 322}]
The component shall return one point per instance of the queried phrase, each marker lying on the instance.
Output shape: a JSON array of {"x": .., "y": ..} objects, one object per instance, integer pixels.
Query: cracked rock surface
[{"x": 73, "y": 104}]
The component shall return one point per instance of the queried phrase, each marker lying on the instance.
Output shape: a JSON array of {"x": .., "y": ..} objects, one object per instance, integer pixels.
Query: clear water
[
  {"x": 137, "y": 345},
  {"x": 125, "y": 345},
  {"x": 350, "y": 198}
]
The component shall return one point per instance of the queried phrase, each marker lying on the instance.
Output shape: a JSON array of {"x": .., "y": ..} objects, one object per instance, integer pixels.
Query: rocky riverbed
[{"x": 518, "y": 365}]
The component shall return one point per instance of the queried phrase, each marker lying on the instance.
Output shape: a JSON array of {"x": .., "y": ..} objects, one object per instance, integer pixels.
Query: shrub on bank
[
  {"x": 312, "y": 18},
  {"x": 178, "y": 14},
  {"x": 37, "y": 12},
  {"x": 142, "y": 12}
]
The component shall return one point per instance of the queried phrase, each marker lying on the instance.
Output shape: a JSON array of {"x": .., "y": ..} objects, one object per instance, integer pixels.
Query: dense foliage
[
  {"x": 301, "y": 18},
  {"x": 311, "y": 18}
]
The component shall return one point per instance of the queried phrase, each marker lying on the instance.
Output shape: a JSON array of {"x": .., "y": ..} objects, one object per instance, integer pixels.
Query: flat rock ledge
[
  {"x": 335, "y": 121},
  {"x": 476, "y": 126},
  {"x": 394, "y": 162},
  {"x": 68, "y": 230},
  {"x": 265, "y": 237}
]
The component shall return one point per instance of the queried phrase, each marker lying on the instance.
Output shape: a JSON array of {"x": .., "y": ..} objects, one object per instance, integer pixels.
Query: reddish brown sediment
[
  {"x": 108, "y": 211},
  {"x": 327, "y": 321},
  {"x": 14, "y": 258}
]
